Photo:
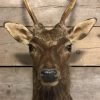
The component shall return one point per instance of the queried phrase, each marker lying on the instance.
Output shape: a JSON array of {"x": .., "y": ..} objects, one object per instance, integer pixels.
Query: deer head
[{"x": 50, "y": 49}]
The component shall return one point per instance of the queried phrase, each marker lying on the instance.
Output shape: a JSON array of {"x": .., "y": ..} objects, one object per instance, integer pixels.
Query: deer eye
[
  {"x": 68, "y": 47},
  {"x": 31, "y": 48}
]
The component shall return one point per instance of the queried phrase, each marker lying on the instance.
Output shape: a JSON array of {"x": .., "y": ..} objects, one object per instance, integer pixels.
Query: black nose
[{"x": 49, "y": 75}]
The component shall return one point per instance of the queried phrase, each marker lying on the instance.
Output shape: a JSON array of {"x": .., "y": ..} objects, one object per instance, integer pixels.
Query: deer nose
[{"x": 49, "y": 75}]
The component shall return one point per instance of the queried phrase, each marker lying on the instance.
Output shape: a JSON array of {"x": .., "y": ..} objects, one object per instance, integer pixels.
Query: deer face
[
  {"x": 49, "y": 55},
  {"x": 50, "y": 49}
]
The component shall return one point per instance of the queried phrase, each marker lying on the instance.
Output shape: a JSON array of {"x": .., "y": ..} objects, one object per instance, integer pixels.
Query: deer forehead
[{"x": 51, "y": 37}]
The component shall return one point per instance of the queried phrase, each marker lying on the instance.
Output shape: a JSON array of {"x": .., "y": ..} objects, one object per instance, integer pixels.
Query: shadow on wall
[
  {"x": 25, "y": 15},
  {"x": 25, "y": 59},
  {"x": 71, "y": 19},
  {"x": 76, "y": 56}
]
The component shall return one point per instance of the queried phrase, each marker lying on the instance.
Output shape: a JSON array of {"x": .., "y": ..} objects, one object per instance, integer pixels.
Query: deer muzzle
[{"x": 49, "y": 76}]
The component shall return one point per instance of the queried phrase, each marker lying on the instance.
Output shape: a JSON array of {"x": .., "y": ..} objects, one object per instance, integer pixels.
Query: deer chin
[{"x": 51, "y": 84}]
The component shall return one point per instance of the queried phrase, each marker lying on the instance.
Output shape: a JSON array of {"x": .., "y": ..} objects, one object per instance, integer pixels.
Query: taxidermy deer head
[{"x": 50, "y": 49}]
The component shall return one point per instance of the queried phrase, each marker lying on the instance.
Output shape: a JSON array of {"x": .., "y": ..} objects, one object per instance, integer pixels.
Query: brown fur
[
  {"x": 59, "y": 92},
  {"x": 51, "y": 56}
]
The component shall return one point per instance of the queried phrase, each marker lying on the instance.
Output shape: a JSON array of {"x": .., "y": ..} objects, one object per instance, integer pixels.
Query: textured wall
[{"x": 16, "y": 82}]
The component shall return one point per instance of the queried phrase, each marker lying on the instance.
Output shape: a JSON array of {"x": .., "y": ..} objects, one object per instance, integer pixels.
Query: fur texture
[{"x": 59, "y": 92}]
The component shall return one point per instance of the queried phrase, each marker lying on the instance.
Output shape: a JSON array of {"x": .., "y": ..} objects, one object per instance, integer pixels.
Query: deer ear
[
  {"x": 81, "y": 30},
  {"x": 19, "y": 32}
]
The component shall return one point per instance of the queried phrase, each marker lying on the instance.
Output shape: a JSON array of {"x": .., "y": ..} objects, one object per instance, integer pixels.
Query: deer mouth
[
  {"x": 49, "y": 80},
  {"x": 50, "y": 83}
]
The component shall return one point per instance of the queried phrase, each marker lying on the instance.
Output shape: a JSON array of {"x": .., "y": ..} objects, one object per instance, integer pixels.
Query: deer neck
[{"x": 59, "y": 92}]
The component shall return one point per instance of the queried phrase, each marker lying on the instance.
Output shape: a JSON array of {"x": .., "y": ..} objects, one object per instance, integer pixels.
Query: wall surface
[{"x": 16, "y": 82}]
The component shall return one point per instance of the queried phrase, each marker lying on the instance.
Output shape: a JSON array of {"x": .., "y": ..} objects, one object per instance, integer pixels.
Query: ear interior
[
  {"x": 82, "y": 29},
  {"x": 19, "y": 32}
]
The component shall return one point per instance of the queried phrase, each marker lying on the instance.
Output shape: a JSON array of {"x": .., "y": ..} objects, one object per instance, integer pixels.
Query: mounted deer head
[{"x": 50, "y": 49}]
